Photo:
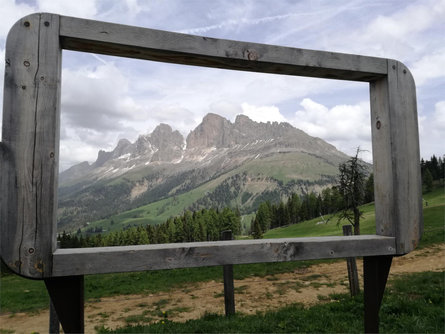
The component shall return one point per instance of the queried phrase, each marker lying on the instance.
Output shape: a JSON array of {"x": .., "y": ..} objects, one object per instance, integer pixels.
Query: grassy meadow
[
  {"x": 402, "y": 312},
  {"x": 292, "y": 166},
  {"x": 417, "y": 311}
]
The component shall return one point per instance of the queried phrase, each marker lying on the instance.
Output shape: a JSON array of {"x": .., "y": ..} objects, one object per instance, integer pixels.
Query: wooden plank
[
  {"x": 84, "y": 261},
  {"x": 142, "y": 43},
  {"x": 396, "y": 155},
  {"x": 382, "y": 159},
  {"x": 30, "y": 139},
  {"x": 406, "y": 157},
  {"x": 29, "y": 148}
]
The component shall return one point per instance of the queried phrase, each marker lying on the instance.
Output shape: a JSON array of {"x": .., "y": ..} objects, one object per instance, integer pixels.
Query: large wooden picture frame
[{"x": 29, "y": 149}]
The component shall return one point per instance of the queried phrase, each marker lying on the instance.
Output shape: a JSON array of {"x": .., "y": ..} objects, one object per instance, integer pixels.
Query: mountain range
[{"x": 218, "y": 164}]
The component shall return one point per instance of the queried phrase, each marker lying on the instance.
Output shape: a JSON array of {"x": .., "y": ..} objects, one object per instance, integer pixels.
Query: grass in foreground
[
  {"x": 412, "y": 304},
  {"x": 22, "y": 295}
]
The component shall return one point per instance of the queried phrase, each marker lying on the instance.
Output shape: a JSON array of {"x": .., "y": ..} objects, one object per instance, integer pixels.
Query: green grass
[
  {"x": 311, "y": 228},
  {"x": 18, "y": 294},
  {"x": 433, "y": 213},
  {"x": 403, "y": 311},
  {"x": 293, "y": 166}
]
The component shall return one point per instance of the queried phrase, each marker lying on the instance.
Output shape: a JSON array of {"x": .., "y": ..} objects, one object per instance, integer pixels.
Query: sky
[{"x": 105, "y": 99}]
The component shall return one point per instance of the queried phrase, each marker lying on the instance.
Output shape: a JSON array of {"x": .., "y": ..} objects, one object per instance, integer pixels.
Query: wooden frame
[{"x": 29, "y": 150}]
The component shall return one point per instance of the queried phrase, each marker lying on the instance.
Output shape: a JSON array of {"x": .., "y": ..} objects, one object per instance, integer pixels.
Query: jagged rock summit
[
  {"x": 220, "y": 164},
  {"x": 215, "y": 137}
]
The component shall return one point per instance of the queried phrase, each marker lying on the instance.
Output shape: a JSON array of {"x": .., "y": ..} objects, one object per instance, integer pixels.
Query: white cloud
[
  {"x": 106, "y": 100},
  {"x": 432, "y": 130},
  {"x": 77, "y": 8},
  {"x": 406, "y": 33},
  {"x": 236, "y": 23},
  {"x": 97, "y": 97},
  {"x": 228, "y": 109},
  {"x": 11, "y": 13},
  {"x": 133, "y": 7},
  {"x": 344, "y": 126},
  {"x": 262, "y": 113},
  {"x": 430, "y": 66}
]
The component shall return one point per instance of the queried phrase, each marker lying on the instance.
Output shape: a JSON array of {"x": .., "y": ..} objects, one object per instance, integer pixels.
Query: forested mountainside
[{"x": 220, "y": 164}]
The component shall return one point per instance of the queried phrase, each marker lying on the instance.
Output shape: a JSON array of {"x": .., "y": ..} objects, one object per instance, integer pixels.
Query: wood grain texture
[
  {"x": 396, "y": 157},
  {"x": 84, "y": 261},
  {"x": 30, "y": 138},
  {"x": 408, "y": 215},
  {"x": 142, "y": 43},
  {"x": 382, "y": 159},
  {"x": 29, "y": 149}
]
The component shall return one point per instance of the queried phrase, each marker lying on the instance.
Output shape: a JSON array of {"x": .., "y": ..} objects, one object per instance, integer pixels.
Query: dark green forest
[
  {"x": 207, "y": 224},
  {"x": 202, "y": 225}
]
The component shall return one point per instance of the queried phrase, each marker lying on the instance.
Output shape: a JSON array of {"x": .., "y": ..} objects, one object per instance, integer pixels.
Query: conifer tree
[
  {"x": 352, "y": 188},
  {"x": 257, "y": 233},
  {"x": 428, "y": 180}
]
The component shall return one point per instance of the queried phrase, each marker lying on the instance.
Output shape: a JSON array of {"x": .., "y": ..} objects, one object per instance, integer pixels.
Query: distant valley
[{"x": 220, "y": 164}]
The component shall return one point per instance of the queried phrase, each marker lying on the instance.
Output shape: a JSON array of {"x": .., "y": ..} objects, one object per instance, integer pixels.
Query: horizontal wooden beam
[
  {"x": 143, "y": 43},
  {"x": 84, "y": 261}
]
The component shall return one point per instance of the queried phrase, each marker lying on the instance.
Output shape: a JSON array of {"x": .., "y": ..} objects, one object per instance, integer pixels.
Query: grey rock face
[{"x": 215, "y": 141}]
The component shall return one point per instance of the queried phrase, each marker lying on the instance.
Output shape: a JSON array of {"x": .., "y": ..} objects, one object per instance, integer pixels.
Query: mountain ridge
[
  {"x": 251, "y": 161},
  {"x": 165, "y": 145}
]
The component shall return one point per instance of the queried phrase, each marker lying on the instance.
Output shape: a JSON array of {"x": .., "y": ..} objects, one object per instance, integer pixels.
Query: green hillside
[
  {"x": 433, "y": 212},
  {"x": 269, "y": 178},
  {"x": 12, "y": 298}
]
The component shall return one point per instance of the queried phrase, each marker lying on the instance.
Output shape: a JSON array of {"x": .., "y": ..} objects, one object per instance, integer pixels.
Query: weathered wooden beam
[
  {"x": 142, "y": 43},
  {"x": 396, "y": 156},
  {"x": 30, "y": 145},
  {"x": 84, "y": 261},
  {"x": 29, "y": 148}
]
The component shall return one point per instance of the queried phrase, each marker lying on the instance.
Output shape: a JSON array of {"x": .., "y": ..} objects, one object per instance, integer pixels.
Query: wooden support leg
[
  {"x": 54, "y": 324},
  {"x": 375, "y": 270},
  {"x": 229, "y": 290},
  {"x": 67, "y": 296}
]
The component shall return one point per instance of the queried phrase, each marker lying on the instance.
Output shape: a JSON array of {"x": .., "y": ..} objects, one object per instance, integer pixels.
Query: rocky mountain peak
[
  {"x": 163, "y": 136},
  {"x": 243, "y": 120},
  {"x": 214, "y": 131},
  {"x": 214, "y": 139},
  {"x": 122, "y": 147}
]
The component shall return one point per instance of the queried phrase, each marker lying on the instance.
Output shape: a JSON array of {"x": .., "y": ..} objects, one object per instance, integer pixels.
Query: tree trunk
[{"x": 356, "y": 221}]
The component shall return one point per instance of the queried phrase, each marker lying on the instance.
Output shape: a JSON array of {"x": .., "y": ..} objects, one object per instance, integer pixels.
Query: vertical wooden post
[
  {"x": 229, "y": 290},
  {"x": 354, "y": 286},
  {"x": 54, "y": 324},
  {"x": 395, "y": 152},
  {"x": 67, "y": 295},
  {"x": 30, "y": 140},
  {"x": 375, "y": 270}
]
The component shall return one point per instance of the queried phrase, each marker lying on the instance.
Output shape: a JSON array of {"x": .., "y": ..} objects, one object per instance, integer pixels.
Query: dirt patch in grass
[{"x": 255, "y": 294}]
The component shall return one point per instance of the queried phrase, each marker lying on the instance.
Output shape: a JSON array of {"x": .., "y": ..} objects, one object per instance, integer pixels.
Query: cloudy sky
[{"x": 105, "y": 99}]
